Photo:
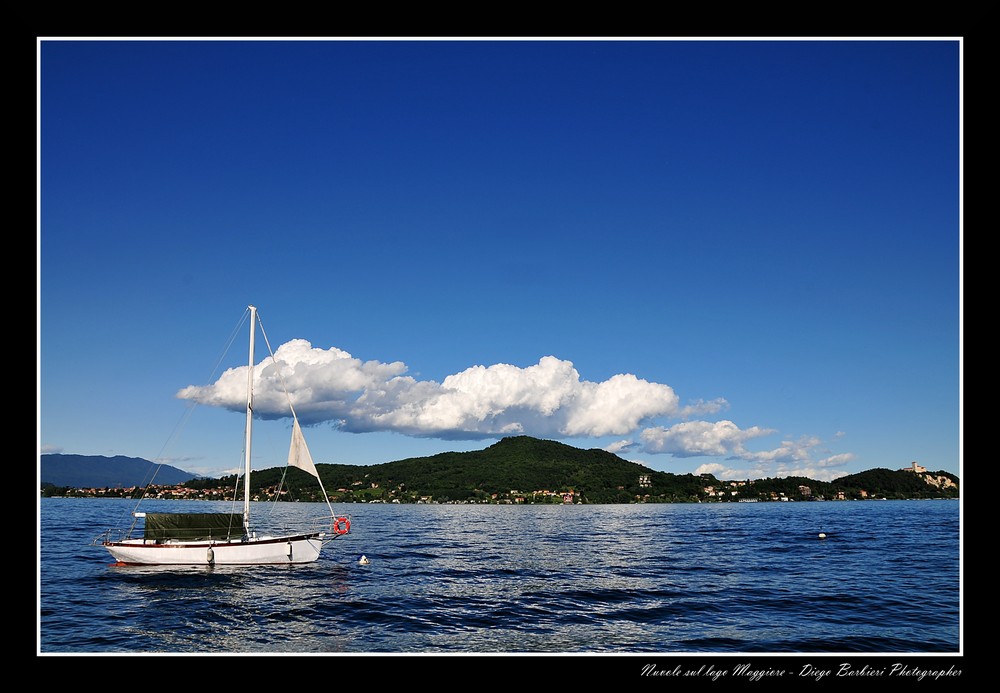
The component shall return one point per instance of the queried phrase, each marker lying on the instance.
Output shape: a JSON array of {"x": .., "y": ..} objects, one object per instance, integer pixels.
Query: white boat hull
[{"x": 302, "y": 548}]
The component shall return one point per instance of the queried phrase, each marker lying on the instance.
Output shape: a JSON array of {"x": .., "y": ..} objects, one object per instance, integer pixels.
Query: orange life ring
[{"x": 342, "y": 525}]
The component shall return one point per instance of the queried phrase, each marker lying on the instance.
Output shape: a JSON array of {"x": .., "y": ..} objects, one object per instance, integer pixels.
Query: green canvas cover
[{"x": 193, "y": 526}]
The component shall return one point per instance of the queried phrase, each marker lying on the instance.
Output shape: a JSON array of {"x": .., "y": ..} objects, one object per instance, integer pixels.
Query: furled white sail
[{"x": 298, "y": 452}]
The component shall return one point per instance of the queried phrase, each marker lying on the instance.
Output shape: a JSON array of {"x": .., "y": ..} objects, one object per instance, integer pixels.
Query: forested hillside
[{"x": 523, "y": 469}]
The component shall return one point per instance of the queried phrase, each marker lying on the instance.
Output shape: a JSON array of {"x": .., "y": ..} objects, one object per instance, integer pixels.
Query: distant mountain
[{"x": 97, "y": 471}]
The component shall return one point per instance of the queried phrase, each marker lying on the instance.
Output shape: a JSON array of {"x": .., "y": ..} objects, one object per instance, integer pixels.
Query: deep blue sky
[{"x": 741, "y": 257}]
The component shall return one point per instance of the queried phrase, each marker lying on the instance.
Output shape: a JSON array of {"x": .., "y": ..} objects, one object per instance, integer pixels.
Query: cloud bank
[{"x": 547, "y": 399}]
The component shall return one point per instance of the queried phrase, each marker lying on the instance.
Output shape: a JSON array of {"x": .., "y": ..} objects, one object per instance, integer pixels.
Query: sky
[{"x": 737, "y": 257}]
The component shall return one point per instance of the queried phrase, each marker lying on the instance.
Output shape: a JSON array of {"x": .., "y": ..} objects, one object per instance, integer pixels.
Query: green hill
[
  {"x": 899, "y": 484},
  {"x": 873, "y": 483},
  {"x": 516, "y": 467}
]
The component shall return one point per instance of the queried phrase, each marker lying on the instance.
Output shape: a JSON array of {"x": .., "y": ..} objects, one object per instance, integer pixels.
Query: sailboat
[{"x": 228, "y": 538}]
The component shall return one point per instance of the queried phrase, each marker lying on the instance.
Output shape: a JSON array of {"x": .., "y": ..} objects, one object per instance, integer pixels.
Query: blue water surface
[{"x": 665, "y": 578}]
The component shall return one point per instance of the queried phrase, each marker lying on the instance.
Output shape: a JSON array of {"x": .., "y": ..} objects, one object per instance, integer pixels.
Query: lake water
[{"x": 444, "y": 579}]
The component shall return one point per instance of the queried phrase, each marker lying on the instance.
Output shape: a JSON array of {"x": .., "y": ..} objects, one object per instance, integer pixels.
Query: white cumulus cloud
[
  {"x": 790, "y": 458},
  {"x": 548, "y": 399},
  {"x": 711, "y": 468},
  {"x": 620, "y": 446},
  {"x": 701, "y": 438},
  {"x": 826, "y": 469},
  {"x": 545, "y": 399}
]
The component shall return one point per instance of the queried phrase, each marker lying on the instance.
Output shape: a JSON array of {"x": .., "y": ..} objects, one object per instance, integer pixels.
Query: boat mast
[{"x": 249, "y": 428}]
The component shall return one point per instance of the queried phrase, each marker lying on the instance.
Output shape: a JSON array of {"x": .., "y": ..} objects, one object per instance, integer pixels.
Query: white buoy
[
  {"x": 364, "y": 560},
  {"x": 822, "y": 535}
]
